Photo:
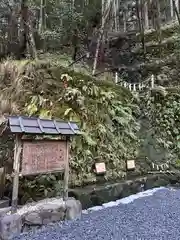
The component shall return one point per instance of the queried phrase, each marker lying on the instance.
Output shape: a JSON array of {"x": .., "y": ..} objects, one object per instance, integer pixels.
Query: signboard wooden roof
[{"x": 33, "y": 125}]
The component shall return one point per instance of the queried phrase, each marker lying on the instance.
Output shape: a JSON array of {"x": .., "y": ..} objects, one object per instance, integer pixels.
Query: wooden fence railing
[{"x": 149, "y": 83}]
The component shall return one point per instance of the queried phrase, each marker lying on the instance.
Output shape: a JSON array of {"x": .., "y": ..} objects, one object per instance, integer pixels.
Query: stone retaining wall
[
  {"x": 37, "y": 214},
  {"x": 96, "y": 195}
]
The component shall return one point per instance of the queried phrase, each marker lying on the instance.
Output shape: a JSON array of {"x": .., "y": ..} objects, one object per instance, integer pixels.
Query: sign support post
[{"x": 17, "y": 154}]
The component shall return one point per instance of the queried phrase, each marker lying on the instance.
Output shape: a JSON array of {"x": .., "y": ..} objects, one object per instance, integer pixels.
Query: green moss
[{"x": 160, "y": 50}]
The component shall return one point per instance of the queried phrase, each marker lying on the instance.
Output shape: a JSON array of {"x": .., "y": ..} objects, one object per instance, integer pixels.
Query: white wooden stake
[
  {"x": 116, "y": 77},
  {"x": 152, "y": 81},
  {"x": 134, "y": 87}
]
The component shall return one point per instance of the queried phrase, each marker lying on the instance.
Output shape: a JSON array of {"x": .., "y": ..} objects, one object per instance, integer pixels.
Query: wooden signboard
[{"x": 41, "y": 156}]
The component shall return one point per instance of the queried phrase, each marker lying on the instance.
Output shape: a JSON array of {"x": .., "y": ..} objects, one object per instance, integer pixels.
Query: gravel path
[{"x": 153, "y": 217}]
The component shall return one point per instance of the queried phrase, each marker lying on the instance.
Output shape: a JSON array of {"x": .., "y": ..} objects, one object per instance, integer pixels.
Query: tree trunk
[
  {"x": 158, "y": 21},
  {"x": 42, "y": 20},
  {"x": 101, "y": 33},
  {"x": 141, "y": 27},
  {"x": 12, "y": 44},
  {"x": 146, "y": 15},
  {"x": 24, "y": 27},
  {"x": 31, "y": 41},
  {"x": 176, "y": 11}
]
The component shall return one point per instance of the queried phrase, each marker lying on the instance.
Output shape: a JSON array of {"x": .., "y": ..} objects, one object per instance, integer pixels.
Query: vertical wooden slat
[{"x": 16, "y": 165}]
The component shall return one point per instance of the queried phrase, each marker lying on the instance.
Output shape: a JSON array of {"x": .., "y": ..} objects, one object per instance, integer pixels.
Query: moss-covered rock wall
[
  {"x": 105, "y": 112},
  {"x": 115, "y": 124}
]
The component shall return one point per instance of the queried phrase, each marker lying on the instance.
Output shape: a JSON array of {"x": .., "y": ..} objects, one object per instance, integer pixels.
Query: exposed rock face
[
  {"x": 37, "y": 214},
  {"x": 73, "y": 208},
  {"x": 10, "y": 226}
]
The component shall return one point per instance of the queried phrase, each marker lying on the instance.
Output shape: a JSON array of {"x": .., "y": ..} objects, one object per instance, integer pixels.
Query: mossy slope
[{"x": 104, "y": 111}]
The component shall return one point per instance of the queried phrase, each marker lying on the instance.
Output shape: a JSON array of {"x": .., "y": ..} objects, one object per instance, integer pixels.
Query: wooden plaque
[
  {"x": 100, "y": 167},
  {"x": 43, "y": 157},
  {"x": 130, "y": 164}
]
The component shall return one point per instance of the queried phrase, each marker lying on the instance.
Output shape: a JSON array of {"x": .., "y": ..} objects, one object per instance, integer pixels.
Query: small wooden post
[
  {"x": 17, "y": 154},
  {"x": 116, "y": 77},
  {"x": 134, "y": 87},
  {"x": 66, "y": 173}
]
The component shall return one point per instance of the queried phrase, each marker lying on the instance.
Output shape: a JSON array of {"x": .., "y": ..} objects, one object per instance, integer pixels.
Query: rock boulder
[{"x": 37, "y": 214}]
